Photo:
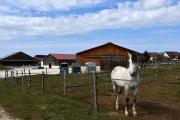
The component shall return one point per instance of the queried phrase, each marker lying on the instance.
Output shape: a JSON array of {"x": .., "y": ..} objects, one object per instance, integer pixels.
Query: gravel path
[{"x": 5, "y": 116}]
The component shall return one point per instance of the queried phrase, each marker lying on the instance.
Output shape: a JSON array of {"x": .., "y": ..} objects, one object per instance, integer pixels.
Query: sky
[{"x": 71, "y": 26}]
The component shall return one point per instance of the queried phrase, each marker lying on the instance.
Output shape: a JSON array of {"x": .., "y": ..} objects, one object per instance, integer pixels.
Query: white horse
[{"x": 126, "y": 79}]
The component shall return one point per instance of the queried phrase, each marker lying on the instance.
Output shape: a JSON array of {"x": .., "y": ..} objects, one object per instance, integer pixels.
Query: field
[{"x": 158, "y": 97}]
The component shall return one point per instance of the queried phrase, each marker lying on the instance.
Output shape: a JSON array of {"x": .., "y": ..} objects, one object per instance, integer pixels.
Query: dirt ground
[
  {"x": 147, "y": 110},
  {"x": 5, "y": 116}
]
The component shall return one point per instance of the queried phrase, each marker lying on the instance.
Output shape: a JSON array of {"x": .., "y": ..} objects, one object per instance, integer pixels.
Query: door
[
  {"x": 105, "y": 63},
  {"x": 50, "y": 65}
]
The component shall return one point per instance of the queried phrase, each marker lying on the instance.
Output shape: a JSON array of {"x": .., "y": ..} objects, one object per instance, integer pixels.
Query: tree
[{"x": 145, "y": 57}]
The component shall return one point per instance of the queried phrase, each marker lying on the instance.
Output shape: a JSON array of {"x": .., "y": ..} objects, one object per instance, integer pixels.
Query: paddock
[{"x": 158, "y": 97}]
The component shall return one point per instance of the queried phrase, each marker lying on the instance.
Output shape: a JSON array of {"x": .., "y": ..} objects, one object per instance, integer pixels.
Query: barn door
[{"x": 105, "y": 63}]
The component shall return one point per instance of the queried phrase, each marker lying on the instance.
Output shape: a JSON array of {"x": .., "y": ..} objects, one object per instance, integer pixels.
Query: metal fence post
[{"x": 96, "y": 106}]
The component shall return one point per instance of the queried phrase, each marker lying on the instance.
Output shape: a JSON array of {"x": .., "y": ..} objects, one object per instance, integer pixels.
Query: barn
[
  {"x": 54, "y": 60},
  {"x": 18, "y": 59},
  {"x": 106, "y": 56}
]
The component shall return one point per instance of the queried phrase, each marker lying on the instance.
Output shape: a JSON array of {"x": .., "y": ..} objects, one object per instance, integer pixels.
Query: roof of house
[
  {"x": 40, "y": 57},
  {"x": 109, "y": 43},
  {"x": 172, "y": 53},
  {"x": 18, "y": 56},
  {"x": 63, "y": 56}
]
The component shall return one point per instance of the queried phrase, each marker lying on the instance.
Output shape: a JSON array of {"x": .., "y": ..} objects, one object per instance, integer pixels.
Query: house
[
  {"x": 19, "y": 59},
  {"x": 106, "y": 56},
  {"x": 54, "y": 60},
  {"x": 171, "y": 56},
  {"x": 153, "y": 56},
  {"x": 40, "y": 59}
]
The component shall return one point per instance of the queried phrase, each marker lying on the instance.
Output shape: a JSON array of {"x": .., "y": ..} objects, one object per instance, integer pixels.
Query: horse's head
[{"x": 133, "y": 64}]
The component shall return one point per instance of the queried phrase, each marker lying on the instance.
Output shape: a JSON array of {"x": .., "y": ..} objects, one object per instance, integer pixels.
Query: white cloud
[
  {"x": 127, "y": 15},
  {"x": 152, "y": 4},
  {"x": 46, "y": 5}
]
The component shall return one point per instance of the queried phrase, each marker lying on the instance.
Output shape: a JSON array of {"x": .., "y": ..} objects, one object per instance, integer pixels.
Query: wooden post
[
  {"x": 141, "y": 73},
  {"x": 7, "y": 75},
  {"x": 17, "y": 82},
  {"x": 65, "y": 83},
  {"x": 22, "y": 81},
  {"x": 17, "y": 74},
  {"x": 11, "y": 74},
  {"x": 30, "y": 81},
  {"x": 24, "y": 72},
  {"x": 96, "y": 106},
  {"x": 43, "y": 82},
  {"x": 46, "y": 71},
  {"x": 77, "y": 85}
]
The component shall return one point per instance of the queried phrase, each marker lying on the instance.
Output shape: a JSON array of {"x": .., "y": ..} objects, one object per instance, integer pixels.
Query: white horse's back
[{"x": 120, "y": 73}]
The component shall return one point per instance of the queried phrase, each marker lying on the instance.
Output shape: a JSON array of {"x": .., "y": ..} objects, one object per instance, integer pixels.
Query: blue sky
[{"x": 70, "y": 26}]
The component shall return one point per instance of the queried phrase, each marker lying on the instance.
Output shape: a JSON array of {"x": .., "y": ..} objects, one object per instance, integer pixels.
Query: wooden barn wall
[{"x": 95, "y": 54}]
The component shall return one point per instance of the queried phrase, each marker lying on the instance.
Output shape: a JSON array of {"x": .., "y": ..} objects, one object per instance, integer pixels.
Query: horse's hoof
[
  {"x": 135, "y": 114},
  {"x": 126, "y": 114}
]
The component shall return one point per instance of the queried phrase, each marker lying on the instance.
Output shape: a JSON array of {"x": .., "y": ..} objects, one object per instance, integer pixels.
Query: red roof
[{"x": 64, "y": 56}]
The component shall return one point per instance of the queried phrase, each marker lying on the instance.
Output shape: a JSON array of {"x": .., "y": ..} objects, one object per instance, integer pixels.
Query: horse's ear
[{"x": 129, "y": 55}]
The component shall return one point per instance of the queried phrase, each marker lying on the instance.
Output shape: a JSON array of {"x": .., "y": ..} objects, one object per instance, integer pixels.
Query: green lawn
[{"x": 29, "y": 105}]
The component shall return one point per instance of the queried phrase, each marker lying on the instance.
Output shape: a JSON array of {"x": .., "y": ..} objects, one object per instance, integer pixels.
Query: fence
[
  {"x": 71, "y": 85},
  {"x": 85, "y": 87}
]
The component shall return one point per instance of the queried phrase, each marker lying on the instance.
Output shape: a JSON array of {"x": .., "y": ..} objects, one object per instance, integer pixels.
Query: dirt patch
[
  {"x": 5, "y": 116},
  {"x": 147, "y": 110}
]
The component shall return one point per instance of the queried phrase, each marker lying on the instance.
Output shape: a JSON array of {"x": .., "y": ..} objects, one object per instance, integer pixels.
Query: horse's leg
[
  {"x": 126, "y": 100},
  {"x": 116, "y": 93},
  {"x": 134, "y": 101},
  {"x": 117, "y": 101}
]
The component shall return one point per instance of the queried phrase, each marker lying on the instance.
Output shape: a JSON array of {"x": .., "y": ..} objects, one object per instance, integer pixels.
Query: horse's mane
[{"x": 134, "y": 57}]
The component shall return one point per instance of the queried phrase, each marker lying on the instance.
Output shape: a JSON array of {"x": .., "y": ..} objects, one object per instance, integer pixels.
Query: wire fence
[{"x": 84, "y": 87}]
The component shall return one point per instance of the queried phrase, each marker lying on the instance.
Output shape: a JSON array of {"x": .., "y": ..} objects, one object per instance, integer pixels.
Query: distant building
[
  {"x": 171, "y": 56},
  {"x": 54, "y": 60},
  {"x": 106, "y": 56},
  {"x": 18, "y": 59},
  {"x": 40, "y": 59},
  {"x": 153, "y": 56}
]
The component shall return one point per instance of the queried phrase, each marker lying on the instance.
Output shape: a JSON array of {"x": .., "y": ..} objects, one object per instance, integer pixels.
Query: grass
[
  {"x": 35, "y": 106},
  {"x": 165, "y": 84},
  {"x": 31, "y": 104}
]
